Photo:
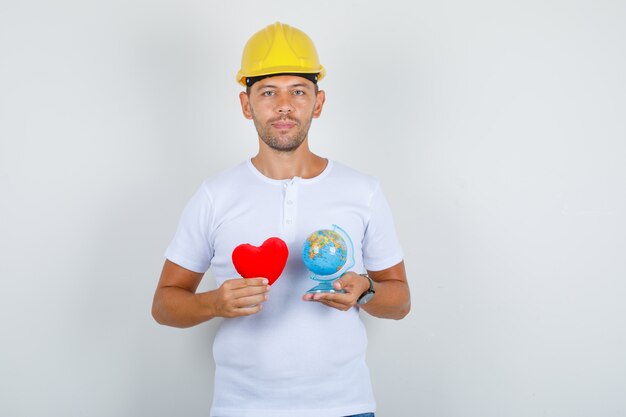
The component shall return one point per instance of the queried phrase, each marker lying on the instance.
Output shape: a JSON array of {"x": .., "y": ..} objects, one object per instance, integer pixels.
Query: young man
[{"x": 284, "y": 352}]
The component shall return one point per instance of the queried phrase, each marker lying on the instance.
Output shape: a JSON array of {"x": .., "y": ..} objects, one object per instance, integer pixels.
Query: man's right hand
[
  {"x": 177, "y": 304},
  {"x": 241, "y": 297}
]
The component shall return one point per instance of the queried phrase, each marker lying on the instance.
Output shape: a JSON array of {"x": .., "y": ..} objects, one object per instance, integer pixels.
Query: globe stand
[{"x": 325, "y": 287}]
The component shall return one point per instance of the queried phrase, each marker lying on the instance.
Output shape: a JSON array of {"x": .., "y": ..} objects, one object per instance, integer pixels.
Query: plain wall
[{"x": 498, "y": 132}]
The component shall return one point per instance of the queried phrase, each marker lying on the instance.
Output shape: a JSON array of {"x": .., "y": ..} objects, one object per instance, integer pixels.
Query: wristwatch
[{"x": 368, "y": 294}]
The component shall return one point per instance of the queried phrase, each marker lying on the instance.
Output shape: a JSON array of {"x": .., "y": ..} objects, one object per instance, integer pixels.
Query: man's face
[{"x": 282, "y": 108}]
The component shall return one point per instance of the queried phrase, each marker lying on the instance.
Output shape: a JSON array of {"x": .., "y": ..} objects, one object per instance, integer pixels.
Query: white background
[{"x": 498, "y": 131}]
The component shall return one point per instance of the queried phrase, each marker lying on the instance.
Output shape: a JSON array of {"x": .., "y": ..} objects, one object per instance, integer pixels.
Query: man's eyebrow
[{"x": 289, "y": 86}]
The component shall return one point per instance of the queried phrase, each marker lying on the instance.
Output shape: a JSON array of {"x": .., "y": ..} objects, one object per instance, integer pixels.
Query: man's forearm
[
  {"x": 392, "y": 300},
  {"x": 177, "y": 307}
]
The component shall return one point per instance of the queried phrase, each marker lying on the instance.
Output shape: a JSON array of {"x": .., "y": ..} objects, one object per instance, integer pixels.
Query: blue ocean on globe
[{"x": 324, "y": 252}]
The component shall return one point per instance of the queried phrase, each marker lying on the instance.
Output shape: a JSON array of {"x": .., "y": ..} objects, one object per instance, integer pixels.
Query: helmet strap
[{"x": 311, "y": 77}]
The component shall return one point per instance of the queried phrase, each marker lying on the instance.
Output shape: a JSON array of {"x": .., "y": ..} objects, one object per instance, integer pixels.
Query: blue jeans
[{"x": 362, "y": 415}]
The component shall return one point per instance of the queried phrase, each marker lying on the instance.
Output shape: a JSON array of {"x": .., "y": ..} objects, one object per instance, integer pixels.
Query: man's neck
[{"x": 285, "y": 165}]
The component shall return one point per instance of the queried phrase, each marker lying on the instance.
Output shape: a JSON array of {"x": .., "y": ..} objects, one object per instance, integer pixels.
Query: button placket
[{"x": 289, "y": 209}]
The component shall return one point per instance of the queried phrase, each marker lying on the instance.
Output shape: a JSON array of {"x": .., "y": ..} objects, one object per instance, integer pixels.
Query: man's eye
[
  {"x": 268, "y": 93},
  {"x": 298, "y": 93}
]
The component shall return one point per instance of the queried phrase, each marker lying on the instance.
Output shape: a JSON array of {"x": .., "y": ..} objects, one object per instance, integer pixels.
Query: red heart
[{"x": 267, "y": 260}]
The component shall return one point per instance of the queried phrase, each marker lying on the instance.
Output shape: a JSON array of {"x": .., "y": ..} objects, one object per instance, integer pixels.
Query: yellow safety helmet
[{"x": 279, "y": 49}]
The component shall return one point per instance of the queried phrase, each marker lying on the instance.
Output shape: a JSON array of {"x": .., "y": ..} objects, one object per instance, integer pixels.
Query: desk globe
[{"x": 328, "y": 254}]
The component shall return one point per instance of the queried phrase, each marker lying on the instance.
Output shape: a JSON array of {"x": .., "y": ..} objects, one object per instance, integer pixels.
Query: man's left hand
[{"x": 353, "y": 284}]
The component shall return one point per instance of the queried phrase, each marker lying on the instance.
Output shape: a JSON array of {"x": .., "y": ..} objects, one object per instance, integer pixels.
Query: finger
[
  {"x": 246, "y": 311},
  {"x": 345, "y": 284},
  {"x": 341, "y": 298},
  {"x": 235, "y": 283},
  {"x": 339, "y": 284},
  {"x": 251, "y": 282},
  {"x": 336, "y": 305},
  {"x": 249, "y": 300},
  {"x": 313, "y": 296},
  {"x": 335, "y": 300},
  {"x": 245, "y": 282},
  {"x": 347, "y": 281},
  {"x": 251, "y": 290}
]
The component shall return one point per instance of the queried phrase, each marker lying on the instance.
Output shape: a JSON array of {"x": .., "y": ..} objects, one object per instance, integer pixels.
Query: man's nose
[{"x": 284, "y": 104}]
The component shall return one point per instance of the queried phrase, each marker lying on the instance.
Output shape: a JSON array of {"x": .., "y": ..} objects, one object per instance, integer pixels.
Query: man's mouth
[{"x": 283, "y": 125}]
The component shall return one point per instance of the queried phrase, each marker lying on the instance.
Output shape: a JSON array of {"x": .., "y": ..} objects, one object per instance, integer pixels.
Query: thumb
[
  {"x": 343, "y": 282},
  {"x": 338, "y": 284}
]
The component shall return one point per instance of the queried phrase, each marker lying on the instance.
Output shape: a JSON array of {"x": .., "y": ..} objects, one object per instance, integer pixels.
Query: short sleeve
[
  {"x": 191, "y": 246},
  {"x": 381, "y": 248}
]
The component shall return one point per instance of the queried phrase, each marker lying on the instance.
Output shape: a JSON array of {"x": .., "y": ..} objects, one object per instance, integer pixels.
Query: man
[{"x": 282, "y": 351}]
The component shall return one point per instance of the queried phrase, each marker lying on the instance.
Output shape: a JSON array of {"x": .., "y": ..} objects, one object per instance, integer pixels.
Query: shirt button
[
  {"x": 288, "y": 221},
  {"x": 290, "y": 202}
]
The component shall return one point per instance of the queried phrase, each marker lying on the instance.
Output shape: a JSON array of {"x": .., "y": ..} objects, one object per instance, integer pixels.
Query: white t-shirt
[{"x": 294, "y": 358}]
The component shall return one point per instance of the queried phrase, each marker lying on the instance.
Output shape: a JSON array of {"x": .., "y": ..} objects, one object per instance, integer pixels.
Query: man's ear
[
  {"x": 320, "y": 98},
  {"x": 245, "y": 105}
]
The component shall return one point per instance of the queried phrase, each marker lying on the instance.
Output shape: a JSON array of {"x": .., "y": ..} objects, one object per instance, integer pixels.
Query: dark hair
[{"x": 311, "y": 77}]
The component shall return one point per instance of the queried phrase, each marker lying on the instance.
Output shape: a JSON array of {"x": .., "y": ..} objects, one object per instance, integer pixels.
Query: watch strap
[{"x": 369, "y": 293}]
